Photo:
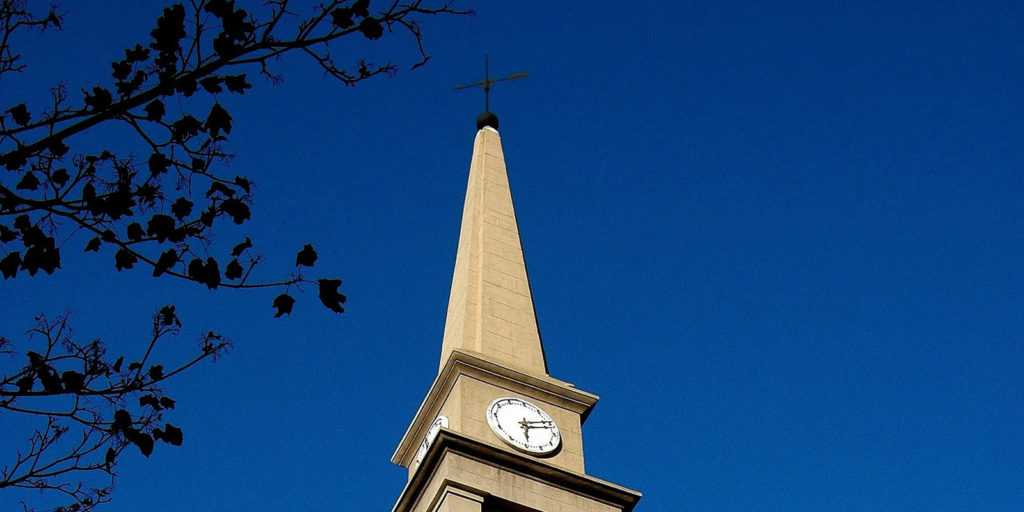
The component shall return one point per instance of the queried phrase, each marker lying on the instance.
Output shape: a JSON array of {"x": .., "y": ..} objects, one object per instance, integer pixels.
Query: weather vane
[{"x": 487, "y": 82}]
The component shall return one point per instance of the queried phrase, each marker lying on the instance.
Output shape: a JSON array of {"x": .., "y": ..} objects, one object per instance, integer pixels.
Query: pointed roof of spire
[{"x": 490, "y": 309}]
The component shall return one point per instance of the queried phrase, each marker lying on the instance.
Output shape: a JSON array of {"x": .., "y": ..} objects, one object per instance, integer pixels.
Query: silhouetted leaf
[
  {"x": 208, "y": 273},
  {"x": 156, "y": 372},
  {"x": 225, "y": 46},
  {"x": 125, "y": 88},
  {"x": 283, "y": 303},
  {"x": 211, "y": 274},
  {"x": 135, "y": 231},
  {"x": 155, "y": 110},
  {"x": 35, "y": 360},
  {"x": 212, "y": 84},
  {"x": 93, "y": 245},
  {"x": 14, "y": 160},
  {"x": 206, "y": 218},
  {"x": 218, "y": 120},
  {"x": 306, "y": 257},
  {"x": 166, "y": 261},
  {"x": 50, "y": 380},
  {"x": 60, "y": 177},
  {"x": 237, "y": 251},
  {"x": 182, "y": 232},
  {"x": 361, "y": 8},
  {"x": 329, "y": 295},
  {"x": 168, "y": 316},
  {"x": 28, "y": 182},
  {"x": 9, "y": 235},
  {"x": 33, "y": 236},
  {"x": 186, "y": 86},
  {"x": 134, "y": 365},
  {"x": 45, "y": 257},
  {"x": 22, "y": 222},
  {"x": 219, "y": 8},
  {"x": 124, "y": 258},
  {"x": 118, "y": 363},
  {"x": 195, "y": 269},
  {"x": 234, "y": 22},
  {"x": 144, "y": 442},
  {"x": 170, "y": 28},
  {"x": 185, "y": 128},
  {"x": 233, "y": 270},
  {"x": 166, "y": 402},
  {"x": 150, "y": 400},
  {"x": 73, "y": 381},
  {"x": 122, "y": 421},
  {"x": 9, "y": 265},
  {"x": 371, "y": 28},
  {"x": 121, "y": 69},
  {"x": 243, "y": 183},
  {"x": 172, "y": 435},
  {"x": 19, "y": 113},
  {"x": 109, "y": 458},
  {"x": 161, "y": 226},
  {"x": 237, "y": 83},
  {"x": 136, "y": 54},
  {"x": 342, "y": 17},
  {"x": 57, "y": 148},
  {"x": 238, "y": 210},
  {"x": 182, "y": 208},
  {"x": 25, "y": 384},
  {"x": 99, "y": 99},
  {"x": 217, "y": 186}
]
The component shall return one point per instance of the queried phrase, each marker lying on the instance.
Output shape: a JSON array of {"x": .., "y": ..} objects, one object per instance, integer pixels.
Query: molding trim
[{"x": 449, "y": 443}]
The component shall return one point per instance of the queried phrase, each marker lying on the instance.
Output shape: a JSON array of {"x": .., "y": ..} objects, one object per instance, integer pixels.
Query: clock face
[
  {"x": 523, "y": 425},
  {"x": 428, "y": 439}
]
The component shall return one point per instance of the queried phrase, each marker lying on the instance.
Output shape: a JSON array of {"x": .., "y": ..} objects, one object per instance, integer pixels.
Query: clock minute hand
[{"x": 534, "y": 424}]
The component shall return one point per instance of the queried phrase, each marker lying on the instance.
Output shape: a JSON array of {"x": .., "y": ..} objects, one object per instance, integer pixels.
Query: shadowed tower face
[{"x": 495, "y": 431}]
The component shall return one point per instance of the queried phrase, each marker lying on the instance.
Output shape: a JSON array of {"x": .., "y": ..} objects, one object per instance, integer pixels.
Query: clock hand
[{"x": 533, "y": 424}]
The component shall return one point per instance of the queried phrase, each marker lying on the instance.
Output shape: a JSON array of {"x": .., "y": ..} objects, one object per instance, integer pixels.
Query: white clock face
[
  {"x": 523, "y": 425},
  {"x": 428, "y": 439}
]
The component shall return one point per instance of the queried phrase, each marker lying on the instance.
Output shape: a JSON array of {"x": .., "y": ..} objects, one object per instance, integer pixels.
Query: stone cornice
[{"x": 449, "y": 443}]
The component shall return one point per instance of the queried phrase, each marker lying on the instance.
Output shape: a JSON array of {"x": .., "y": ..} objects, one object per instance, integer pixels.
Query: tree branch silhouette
[{"x": 153, "y": 200}]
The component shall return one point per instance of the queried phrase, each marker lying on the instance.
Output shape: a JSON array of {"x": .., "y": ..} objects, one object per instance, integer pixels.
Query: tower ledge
[{"x": 464, "y": 466}]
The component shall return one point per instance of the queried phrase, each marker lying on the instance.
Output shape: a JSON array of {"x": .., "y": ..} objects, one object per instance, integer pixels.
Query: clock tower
[{"x": 495, "y": 432}]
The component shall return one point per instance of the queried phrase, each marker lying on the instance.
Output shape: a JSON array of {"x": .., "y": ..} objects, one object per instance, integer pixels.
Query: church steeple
[
  {"x": 495, "y": 433},
  {"x": 490, "y": 308}
]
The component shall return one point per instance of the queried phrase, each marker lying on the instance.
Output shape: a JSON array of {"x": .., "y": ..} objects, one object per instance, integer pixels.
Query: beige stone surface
[
  {"x": 492, "y": 349},
  {"x": 481, "y": 478},
  {"x": 456, "y": 500},
  {"x": 490, "y": 308},
  {"x": 475, "y": 394},
  {"x": 468, "y": 385}
]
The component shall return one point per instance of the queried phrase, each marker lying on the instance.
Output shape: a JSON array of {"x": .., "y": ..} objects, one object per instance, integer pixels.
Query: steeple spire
[
  {"x": 490, "y": 309},
  {"x": 495, "y": 431}
]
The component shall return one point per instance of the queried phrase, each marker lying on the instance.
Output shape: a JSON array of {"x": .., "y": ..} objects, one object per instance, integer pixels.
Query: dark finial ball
[{"x": 486, "y": 119}]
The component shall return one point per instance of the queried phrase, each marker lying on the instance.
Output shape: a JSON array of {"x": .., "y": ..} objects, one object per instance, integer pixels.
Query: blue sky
[{"x": 784, "y": 243}]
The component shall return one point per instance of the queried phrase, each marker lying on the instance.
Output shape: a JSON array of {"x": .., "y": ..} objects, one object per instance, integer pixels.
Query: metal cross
[{"x": 486, "y": 83}]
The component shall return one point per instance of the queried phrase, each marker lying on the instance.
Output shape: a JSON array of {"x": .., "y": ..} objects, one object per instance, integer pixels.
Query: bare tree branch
[{"x": 154, "y": 199}]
